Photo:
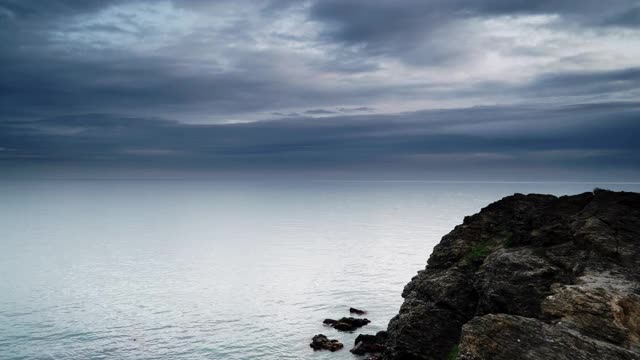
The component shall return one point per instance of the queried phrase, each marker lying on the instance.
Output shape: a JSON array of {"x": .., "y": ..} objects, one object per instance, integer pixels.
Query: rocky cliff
[{"x": 529, "y": 277}]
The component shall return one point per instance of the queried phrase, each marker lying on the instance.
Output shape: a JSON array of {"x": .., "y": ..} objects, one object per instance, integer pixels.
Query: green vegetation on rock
[
  {"x": 477, "y": 253},
  {"x": 453, "y": 354}
]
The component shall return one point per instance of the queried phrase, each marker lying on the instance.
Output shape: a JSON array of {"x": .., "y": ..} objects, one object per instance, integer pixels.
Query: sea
[{"x": 217, "y": 269}]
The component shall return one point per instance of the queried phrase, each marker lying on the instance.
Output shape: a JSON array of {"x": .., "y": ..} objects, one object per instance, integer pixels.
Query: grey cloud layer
[
  {"x": 330, "y": 73},
  {"x": 64, "y": 57},
  {"x": 602, "y": 135},
  {"x": 424, "y": 32}
]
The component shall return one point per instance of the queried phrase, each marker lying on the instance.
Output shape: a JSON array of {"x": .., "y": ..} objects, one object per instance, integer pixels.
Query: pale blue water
[{"x": 200, "y": 269}]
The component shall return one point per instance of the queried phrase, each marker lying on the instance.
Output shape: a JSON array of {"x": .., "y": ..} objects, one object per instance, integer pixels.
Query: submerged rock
[
  {"x": 346, "y": 323},
  {"x": 529, "y": 277},
  {"x": 321, "y": 342},
  {"x": 357, "y": 311},
  {"x": 371, "y": 344}
]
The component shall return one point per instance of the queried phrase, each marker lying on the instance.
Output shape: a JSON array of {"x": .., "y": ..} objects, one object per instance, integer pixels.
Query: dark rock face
[
  {"x": 357, "y": 311},
  {"x": 370, "y": 344},
  {"x": 346, "y": 323},
  {"x": 321, "y": 342},
  {"x": 562, "y": 275}
]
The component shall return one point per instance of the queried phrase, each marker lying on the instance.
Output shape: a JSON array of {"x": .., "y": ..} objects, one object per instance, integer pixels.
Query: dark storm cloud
[
  {"x": 42, "y": 76},
  {"x": 419, "y": 31},
  {"x": 587, "y": 83},
  {"x": 493, "y": 137},
  {"x": 35, "y": 8},
  {"x": 70, "y": 85},
  {"x": 625, "y": 18},
  {"x": 69, "y": 57}
]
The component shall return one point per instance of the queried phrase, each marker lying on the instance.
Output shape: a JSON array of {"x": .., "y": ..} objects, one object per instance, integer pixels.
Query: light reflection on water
[{"x": 215, "y": 270}]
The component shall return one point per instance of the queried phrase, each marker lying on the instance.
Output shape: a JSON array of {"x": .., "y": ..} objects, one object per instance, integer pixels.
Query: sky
[{"x": 446, "y": 89}]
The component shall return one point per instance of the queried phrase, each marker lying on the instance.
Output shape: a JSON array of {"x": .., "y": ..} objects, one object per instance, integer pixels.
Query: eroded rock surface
[
  {"x": 529, "y": 277},
  {"x": 370, "y": 344},
  {"x": 321, "y": 342},
  {"x": 508, "y": 337}
]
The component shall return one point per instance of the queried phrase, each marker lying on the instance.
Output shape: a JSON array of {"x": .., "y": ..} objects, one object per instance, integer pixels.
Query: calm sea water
[{"x": 212, "y": 269}]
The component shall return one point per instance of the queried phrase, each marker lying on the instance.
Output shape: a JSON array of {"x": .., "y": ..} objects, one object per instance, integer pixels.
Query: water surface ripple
[{"x": 211, "y": 269}]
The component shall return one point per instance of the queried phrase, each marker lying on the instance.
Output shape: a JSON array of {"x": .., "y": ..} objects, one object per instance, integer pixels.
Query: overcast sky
[{"x": 422, "y": 87}]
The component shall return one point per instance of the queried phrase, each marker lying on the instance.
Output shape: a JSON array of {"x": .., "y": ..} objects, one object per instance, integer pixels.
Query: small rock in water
[
  {"x": 321, "y": 342},
  {"x": 357, "y": 311},
  {"x": 346, "y": 324}
]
